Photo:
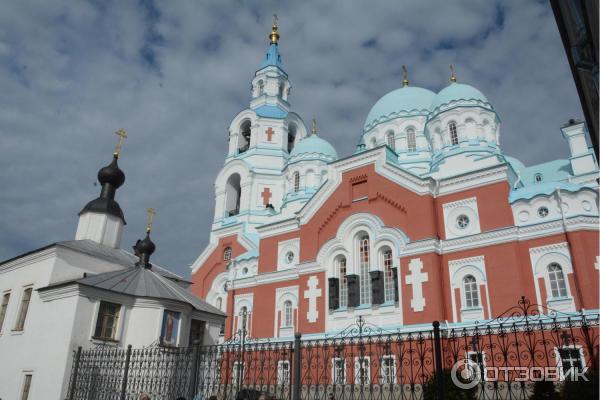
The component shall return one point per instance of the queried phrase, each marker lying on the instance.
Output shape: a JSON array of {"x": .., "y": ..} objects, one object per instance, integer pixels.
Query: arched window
[
  {"x": 281, "y": 87},
  {"x": 453, "y": 133},
  {"x": 388, "y": 275},
  {"x": 556, "y": 277},
  {"x": 291, "y": 137},
  {"x": 244, "y": 137},
  {"x": 233, "y": 193},
  {"x": 288, "y": 319},
  {"x": 391, "y": 140},
  {"x": 341, "y": 270},
  {"x": 373, "y": 142},
  {"x": 471, "y": 291},
  {"x": 243, "y": 317},
  {"x": 219, "y": 303},
  {"x": 411, "y": 140},
  {"x": 227, "y": 254},
  {"x": 296, "y": 181},
  {"x": 261, "y": 87},
  {"x": 364, "y": 262}
]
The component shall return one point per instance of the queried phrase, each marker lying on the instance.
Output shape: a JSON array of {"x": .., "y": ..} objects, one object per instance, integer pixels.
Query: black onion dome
[
  {"x": 112, "y": 174},
  {"x": 145, "y": 246}
]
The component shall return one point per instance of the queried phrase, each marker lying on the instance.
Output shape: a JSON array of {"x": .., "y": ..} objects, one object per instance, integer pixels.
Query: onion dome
[
  {"x": 144, "y": 249},
  {"x": 112, "y": 174},
  {"x": 404, "y": 102},
  {"x": 458, "y": 94},
  {"x": 111, "y": 178},
  {"x": 313, "y": 147}
]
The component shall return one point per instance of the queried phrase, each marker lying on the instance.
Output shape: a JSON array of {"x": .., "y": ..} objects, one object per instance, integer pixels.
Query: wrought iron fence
[{"x": 498, "y": 359}]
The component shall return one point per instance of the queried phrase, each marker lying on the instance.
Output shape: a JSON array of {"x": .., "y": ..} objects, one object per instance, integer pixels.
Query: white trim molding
[{"x": 460, "y": 268}]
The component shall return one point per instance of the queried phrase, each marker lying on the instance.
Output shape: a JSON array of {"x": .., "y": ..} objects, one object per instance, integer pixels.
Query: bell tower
[{"x": 250, "y": 187}]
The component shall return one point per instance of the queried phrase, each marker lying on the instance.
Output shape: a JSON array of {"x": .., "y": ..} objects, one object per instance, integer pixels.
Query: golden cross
[
  {"x": 275, "y": 20},
  {"x": 122, "y": 135},
  {"x": 151, "y": 214},
  {"x": 314, "y": 126},
  {"x": 405, "y": 73},
  {"x": 453, "y": 76}
]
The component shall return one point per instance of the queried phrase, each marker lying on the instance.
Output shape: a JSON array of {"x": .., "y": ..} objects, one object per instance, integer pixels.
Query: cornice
[
  {"x": 549, "y": 248},
  {"x": 28, "y": 259},
  {"x": 466, "y": 261}
]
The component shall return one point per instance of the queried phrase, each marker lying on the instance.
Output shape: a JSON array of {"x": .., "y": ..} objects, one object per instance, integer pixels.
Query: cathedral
[{"x": 427, "y": 220}]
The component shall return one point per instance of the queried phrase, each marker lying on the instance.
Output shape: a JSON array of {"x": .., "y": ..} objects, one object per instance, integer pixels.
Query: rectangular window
[
  {"x": 283, "y": 372},
  {"x": 388, "y": 277},
  {"x": 412, "y": 141},
  {"x": 362, "y": 371},
  {"x": 170, "y": 328},
  {"x": 238, "y": 372},
  {"x": 338, "y": 371},
  {"x": 3, "y": 307},
  {"x": 365, "y": 278},
  {"x": 570, "y": 360},
  {"x": 388, "y": 369},
  {"x": 23, "y": 309},
  {"x": 108, "y": 318},
  {"x": 26, "y": 386},
  {"x": 478, "y": 359}
]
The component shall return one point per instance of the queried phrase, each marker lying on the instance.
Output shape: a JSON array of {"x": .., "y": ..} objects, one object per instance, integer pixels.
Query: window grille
[
  {"x": 227, "y": 254},
  {"x": 287, "y": 314},
  {"x": 411, "y": 140},
  {"x": 339, "y": 371},
  {"x": 108, "y": 317},
  {"x": 296, "y": 181},
  {"x": 391, "y": 141},
  {"x": 453, "y": 133},
  {"x": 570, "y": 360},
  {"x": 341, "y": 267}
]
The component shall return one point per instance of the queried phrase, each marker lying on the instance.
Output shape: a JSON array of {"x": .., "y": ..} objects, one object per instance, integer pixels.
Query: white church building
[{"x": 90, "y": 292}]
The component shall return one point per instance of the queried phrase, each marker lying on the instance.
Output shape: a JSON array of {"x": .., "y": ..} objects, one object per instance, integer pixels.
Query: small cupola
[
  {"x": 144, "y": 248},
  {"x": 102, "y": 219}
]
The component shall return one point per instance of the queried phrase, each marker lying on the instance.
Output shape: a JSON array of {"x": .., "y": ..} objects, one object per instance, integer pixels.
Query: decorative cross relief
[
  {"x": 266, "y": 196},
  {"x": 312, "y": 293},
  {"x": 416, "y": 279},
  {"x": 270, "y": 132}
]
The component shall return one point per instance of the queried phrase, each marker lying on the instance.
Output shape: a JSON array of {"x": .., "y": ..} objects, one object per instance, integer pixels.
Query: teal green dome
[
  {"x": 406, "y": 101},
  {"x": 313, "y": 144},
  {"x": 459, "y": 92}
]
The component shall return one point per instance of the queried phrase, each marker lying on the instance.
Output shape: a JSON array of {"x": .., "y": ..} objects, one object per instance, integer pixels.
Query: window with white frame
[
  {"x": 296, "y": 181},
  {"x": 388, "y": 275},
  {"x": 219, "y": 303},
  {"x": 107, "y": 321},
  {"x": 23, "y": 308},
  {"x": 391, "y": 141},
  {"x": 453, "y": 133},
  {"x": 3, "y": 307},
  {"x": 556, "y": 278},
  {"x": 342, "y": 272},
  {"x": 570, "y": 360},
  {"x": 338, "y": 371},
  {"x": 261, "y": 87},
  {"x": 238, "y": 372},
  {"x": 26, "y": 386},
  {"x": 477, "y": 359},
  {"x": 471, "y": 291},
  {"x": 388, "y": 370},
  {"x": 243, "y": 318},
  {"x": 283, "y": 372},
  {"x": 288, "y": 316},
  {"x": 365, "y": 278},
  {"x": 411, "y": 140},
  {"x": 362, "y": 371}
]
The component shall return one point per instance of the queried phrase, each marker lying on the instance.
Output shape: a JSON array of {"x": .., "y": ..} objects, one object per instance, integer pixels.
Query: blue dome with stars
[{"x": 406, "y": 101}]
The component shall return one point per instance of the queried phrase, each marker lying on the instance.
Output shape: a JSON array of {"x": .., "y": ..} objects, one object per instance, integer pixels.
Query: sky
[{"x": 174, "y": 74}]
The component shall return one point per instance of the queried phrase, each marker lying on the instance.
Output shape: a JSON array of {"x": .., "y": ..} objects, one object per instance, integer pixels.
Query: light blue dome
[
  {"x": 406, "y": 101},
  {"x": 314, "y": 144},
  {"x": 459, "y": 92}
]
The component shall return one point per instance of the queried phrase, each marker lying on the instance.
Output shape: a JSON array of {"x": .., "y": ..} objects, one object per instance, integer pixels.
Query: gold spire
[
  {"x": 274, "y": 36},
  {"x": 405, "y": 74},
  {"x": 151, "y": 214},
  {"x": 122, "y": 135},
  {"x": 314, "y": 126},
  {"x": 452, "y": 76}
]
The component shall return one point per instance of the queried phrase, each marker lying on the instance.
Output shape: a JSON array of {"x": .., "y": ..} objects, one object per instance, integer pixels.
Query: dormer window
[
  {"x": 296, "y": 181},
  {"x": 453, "y": 133},
  {"x": 391, "y": 141},
  {"x": 538, "y": 178}
]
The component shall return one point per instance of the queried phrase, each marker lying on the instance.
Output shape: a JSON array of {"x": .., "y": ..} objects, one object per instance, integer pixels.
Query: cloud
[{"x": 174, "y": 74}]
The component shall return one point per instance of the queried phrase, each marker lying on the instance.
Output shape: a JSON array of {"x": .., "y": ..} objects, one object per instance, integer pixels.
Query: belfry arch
[
  {"x": 244, "y": 136},
  {"x": 233, "y": 193}
]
